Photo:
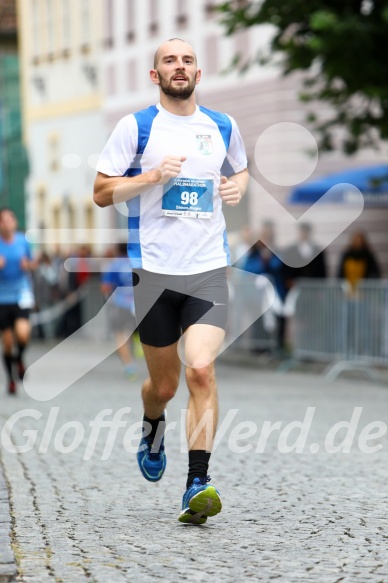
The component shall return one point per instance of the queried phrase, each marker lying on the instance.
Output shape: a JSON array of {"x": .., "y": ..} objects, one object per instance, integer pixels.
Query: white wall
[{"x": 79, "y": 140}]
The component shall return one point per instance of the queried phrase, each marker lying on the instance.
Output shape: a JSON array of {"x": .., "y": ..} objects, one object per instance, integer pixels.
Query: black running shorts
[
  {"x": 166, "y": 305},
  {"x": 9, "y": 313}
]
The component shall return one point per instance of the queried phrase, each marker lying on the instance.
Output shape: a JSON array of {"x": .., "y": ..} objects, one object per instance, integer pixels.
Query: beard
[{"x": 176, "y": 92}]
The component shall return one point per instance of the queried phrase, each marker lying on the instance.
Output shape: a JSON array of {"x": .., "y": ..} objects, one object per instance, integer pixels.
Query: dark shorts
[
  {"x": 120, "y": 319},
  {"x": 9, "y": 313},
  {"x": 166, "y": 305}
]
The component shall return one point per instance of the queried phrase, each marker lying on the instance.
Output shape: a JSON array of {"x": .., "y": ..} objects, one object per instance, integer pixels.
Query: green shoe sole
[{"x": 204, "y": 504}]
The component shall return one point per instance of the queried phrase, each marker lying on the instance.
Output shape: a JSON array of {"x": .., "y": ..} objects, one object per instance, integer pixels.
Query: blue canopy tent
[{"x": 372, "y": 181}]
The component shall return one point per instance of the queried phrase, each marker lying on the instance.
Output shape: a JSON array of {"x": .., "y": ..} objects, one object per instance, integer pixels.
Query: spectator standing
[
  {"x": 243, "y": 245},
  {"x": 70, "y": 282},
  {"x": 304, "y": 258},
  {"x": 263, "y": 261},
  {"x": 45, "y": 279},
  {"x": 358, "y": 261}
]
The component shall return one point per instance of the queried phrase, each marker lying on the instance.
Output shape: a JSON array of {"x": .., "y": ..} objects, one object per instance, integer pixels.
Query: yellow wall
[{"x": 46, "y": 61}]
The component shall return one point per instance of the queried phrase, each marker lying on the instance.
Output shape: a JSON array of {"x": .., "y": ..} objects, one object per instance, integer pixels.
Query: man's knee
[
  {"x": 165, "y": 389},
  {"x": 200, "y": 379},
  {"x": 22, "y": 331}
]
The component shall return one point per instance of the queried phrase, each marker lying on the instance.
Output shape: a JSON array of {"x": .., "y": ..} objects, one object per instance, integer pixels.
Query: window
[
  {"x": 211, "y": 6},
  {"x": 111, "y": 80},
  {"x": 85, "y": 22},
  {"x": 131, "y": 21},
  {"x": 132, "y": 76},
  {"x": 236, "y": 4},
  {"x": 56, "y": 217},
  {"x": 89, "y": 216},
  {"x": 108, "y": 23},
  {"x": 71, "y": 215},
  {"x": 66, "y": 26},
  {"x": 242, "y": 47},
  {"x": 210, "y": 9},
  {"x": 53, "y": 152},
  {"x": 181, "y": 17},
  {"x": 51, "y": 32},
  {"x": 35, "y": 28},
  {"x": 68, "y": 212},
  {"x": 151, "y": 57},
  {"x": 153, "y": 17},
  {"x": 211, "y": 51},
  {"x": 41, "y": 206}
]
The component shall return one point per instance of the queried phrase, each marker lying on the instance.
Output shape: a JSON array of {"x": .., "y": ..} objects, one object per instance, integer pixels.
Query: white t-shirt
[{"x": 177, "y": 228}]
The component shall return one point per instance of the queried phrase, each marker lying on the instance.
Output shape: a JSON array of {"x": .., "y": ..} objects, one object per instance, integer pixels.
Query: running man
[
  {"x": 176, "y": 164},
  {"x": 16, "y": 296}
]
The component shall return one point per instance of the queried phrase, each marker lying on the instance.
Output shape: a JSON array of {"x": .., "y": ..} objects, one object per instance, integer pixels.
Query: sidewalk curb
[
  {"x": 284, "y": 364},
  {"x": 8, "y": 568}
]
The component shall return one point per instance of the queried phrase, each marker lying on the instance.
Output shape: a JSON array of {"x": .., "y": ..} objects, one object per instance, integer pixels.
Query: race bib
[
  {"x": 188, "y": 198},
  {"x": 26, "y": 299}
]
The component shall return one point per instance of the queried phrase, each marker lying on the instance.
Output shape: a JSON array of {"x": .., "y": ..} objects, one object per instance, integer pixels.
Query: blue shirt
[
  {"x": 272, "y": 267},
  {"x": 118, "y": 274},
  {"x": 14, "y": 281}
]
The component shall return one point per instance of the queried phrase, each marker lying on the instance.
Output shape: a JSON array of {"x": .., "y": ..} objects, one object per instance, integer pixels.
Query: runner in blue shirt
[{"x": 16, "y": 295}]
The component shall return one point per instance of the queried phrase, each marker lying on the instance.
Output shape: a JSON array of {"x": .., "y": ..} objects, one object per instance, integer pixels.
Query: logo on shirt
[{"x": 205, "y": 144}]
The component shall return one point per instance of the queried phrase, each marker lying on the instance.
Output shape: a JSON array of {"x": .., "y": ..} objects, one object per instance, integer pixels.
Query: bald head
[{"x": 170, "y": 47}]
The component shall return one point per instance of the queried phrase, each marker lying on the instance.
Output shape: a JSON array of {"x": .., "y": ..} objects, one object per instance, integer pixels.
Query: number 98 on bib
[{"x": 188, "y": 198}]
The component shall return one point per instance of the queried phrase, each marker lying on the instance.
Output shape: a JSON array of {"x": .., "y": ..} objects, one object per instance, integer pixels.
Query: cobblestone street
[{"x": 313, "y": 516}]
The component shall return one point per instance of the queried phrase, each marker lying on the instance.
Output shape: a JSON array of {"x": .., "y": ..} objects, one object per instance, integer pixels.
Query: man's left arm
[{"x": 232, "y": 189}]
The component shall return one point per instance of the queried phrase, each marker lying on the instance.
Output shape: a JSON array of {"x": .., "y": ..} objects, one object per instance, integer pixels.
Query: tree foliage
[{"x": 341, "y": 45}]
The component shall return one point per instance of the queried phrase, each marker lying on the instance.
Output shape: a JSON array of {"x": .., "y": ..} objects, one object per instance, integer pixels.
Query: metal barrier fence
[
  {"x": 321, "y": 323},
  {"x": 87, "y": 301},
  {"x": 246, "y": 300},
  {"x": 336, "y": 324},
  {"x": 331, "y": 323}
]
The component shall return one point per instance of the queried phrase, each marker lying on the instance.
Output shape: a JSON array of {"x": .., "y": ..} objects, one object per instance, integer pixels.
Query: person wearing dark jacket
[
  {"x": 303, "y": 258},
  {"x": 262, "y": 261},
  {"x": 357, "y": 261}
]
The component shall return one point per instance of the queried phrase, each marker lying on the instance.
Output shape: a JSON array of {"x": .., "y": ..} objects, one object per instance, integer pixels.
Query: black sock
[
  {"x": 198, "y": 465},
  {"x": 21, "y": 348},
  {"x": 8, "y": 360},
  {"x": 154, "y": 427}
]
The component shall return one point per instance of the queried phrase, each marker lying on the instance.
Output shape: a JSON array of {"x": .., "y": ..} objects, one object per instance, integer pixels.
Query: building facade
[
  {"x": 86, "y": 64},
  {"x": 60, "y": 52},
  {"x": 13, "y": 158},
  {"x": 257, "y": 99}
]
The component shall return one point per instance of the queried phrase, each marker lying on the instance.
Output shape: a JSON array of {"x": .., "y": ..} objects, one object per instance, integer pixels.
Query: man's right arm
[{"x": 109, "y": 190}]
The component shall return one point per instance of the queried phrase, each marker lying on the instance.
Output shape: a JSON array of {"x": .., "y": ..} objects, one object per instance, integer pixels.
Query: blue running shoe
[
  {"x": 200, "y": 501},
  {"x": 151, "y": 463}
]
